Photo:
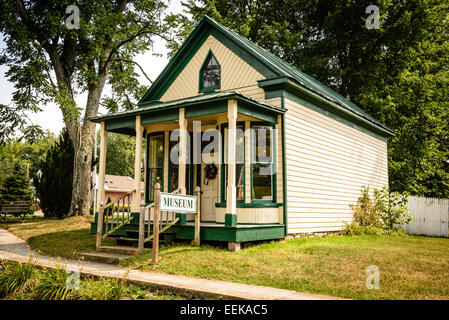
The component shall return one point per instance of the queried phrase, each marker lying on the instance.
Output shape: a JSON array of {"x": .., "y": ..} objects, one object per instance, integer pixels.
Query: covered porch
[{"x": 228, "y": 145}]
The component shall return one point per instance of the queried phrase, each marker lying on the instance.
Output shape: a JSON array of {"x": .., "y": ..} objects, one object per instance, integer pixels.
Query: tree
[
  {"x": 30, "y": 153},
  {"x": 54, "y": 183},
  {"x": 398, "y": 73},
  {"x": 120, "y": 154},
  {"x": 52, "y": 59},
  {"x": 17, "y": 185}
]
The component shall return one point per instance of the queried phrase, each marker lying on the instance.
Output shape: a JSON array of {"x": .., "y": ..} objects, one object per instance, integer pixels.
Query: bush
[
  {"x": 379, "y": 215},
  {"x": 17, "y": 185},
  {"x": 105, "y": 289},
  {"x": 54, "y": 185},
  {"x": 15, "y": 277},
  {"x": 366, "y": 211},
  {"x": 52, "y": 285}
]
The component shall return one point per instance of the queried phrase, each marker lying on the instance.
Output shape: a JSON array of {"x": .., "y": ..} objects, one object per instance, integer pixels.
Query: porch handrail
[
  {"x": 110, "y": 204},
  {"x": 108, "y": 210}
]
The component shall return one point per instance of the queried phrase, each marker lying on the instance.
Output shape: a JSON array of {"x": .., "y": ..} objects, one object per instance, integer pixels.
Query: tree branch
[{"x": 140, "y": 67}]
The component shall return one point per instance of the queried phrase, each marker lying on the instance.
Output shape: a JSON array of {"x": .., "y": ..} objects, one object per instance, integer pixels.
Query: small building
[
  {"x": 274, "y": 151},
  {"x": 117, "y": 186}
]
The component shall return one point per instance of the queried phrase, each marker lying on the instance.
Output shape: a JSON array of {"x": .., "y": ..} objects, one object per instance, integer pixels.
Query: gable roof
[{"x": 268, "y": 64}]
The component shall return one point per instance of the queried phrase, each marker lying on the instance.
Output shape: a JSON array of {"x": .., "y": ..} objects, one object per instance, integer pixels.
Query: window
[
  {"x": 210, "y": 74},
  {"x": 155, "y": 162},
  {"x": 262, "y": 162},
  {"x": 174, "y": 163},
  {"x": 239, "y": 162}
]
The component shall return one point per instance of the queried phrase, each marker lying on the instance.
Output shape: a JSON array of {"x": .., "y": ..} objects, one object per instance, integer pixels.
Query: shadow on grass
[{"x": 66, "y": 243}]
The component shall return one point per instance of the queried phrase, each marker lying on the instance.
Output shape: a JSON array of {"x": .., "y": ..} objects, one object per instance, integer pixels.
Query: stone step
[
  {"x": 103, "y": 257},
  {"x": 119, "y": 249}
]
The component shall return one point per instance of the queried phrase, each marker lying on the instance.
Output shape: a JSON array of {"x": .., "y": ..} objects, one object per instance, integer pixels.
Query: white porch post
[
  {"x": 137, "y": 166},
  {"x": 182, "y": 159},
  {"x": 182, "y": 151},
  {"x": 102, "y": 165},
  {"x": 231, "y": 217}
]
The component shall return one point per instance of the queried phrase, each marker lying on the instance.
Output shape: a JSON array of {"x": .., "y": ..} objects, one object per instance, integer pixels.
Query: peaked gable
[{"x": 235, "y": 72}]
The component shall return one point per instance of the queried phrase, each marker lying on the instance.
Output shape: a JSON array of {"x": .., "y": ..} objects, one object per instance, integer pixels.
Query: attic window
[{"x": 210, "y": 74}]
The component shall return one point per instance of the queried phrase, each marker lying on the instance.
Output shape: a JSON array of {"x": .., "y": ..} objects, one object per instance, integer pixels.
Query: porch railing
[
  {"x": 158, "y": 222},
  {"x": 113, "y": 216}
]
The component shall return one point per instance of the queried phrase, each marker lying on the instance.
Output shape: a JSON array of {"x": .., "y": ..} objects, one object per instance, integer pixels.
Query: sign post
[
  {"x": 157, "y": 209},
  {"x": 196, "y": 240},
  {"x": 178, "y": 203}
]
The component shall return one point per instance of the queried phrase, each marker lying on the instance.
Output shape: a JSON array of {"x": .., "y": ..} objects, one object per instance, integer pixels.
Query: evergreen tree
[
  {"x": 17, "y": 185},
  {"x": 54, "y": 185}
]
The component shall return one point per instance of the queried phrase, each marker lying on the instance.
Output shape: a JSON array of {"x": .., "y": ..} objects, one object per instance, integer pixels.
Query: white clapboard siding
[
  {"x": 328, "y": 162},
  {"x": 430, "y": 217}
]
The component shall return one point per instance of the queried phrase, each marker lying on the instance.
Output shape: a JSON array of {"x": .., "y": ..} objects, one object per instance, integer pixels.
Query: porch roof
[{"x": 210, "y": 103}]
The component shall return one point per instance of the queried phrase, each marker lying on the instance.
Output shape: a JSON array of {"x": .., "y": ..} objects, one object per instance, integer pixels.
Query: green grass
[
  {"x": 56, "y": 237},
  {"x": 410, "y": 267}
]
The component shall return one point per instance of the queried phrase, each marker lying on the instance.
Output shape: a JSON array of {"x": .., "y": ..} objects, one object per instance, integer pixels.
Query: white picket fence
[{"x": 430, "y": 217}]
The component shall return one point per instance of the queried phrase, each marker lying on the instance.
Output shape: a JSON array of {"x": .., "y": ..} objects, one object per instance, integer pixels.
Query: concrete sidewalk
[{"x": 13, "y": 248}]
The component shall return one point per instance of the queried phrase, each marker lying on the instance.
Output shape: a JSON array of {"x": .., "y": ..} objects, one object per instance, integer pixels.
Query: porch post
[
  {"x": 182, "y": 159},
  {"x": 231, "y": 216},
  {"x": 102, "y": 165},
  {"x": 137, "y": 166}
]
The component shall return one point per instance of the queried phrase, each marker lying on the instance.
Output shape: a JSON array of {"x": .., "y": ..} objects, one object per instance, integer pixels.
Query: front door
[{"x": 210, "y": 190}]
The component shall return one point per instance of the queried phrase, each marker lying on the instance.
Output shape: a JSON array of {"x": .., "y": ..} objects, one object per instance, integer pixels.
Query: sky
[{"x": 51, "y": 117}]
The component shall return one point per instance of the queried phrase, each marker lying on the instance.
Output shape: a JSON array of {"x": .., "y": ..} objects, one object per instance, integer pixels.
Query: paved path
[{"x": 16, "y": 249}]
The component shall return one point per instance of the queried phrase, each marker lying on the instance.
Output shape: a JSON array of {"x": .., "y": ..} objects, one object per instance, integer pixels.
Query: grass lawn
[
  {"x": 410, "y": 267},
  {"x": 55, "y": 237}
]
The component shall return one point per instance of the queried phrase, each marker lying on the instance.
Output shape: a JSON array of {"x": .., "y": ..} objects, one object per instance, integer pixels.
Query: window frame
[
  {"x": 201, "y": 88},
  {"x": 147, "y": 165},
  {"x": 223, "y": 164},
  {"x": 273, "y": 151}
]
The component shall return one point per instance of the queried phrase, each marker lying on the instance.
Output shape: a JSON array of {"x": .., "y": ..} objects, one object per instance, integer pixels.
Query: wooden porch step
[
  {"x": 103, "y": 257},
  {"x": 119, "y": 249},
  {"x": 134, "y": 242}
]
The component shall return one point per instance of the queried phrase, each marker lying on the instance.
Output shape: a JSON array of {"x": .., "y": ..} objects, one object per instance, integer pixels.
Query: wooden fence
[{"x": 430, "y": 217}]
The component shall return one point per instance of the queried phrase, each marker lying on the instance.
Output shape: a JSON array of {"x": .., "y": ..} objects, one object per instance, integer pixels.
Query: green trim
[
  {"x": 195, "y": 106},
  {"x": 207, "y": 27},
  {"x": 263, "y": 204},
  {"x": 282, "y": 87},
  {"x": 284, "y": 169},
  {"x": 250, "y": 110},
  {"x": 182, "y": 218},
  {"x": 201, "y": 74},
  {"x": 230, "y": 220},
  {"x": 274, "y": 175},
  {"x": 160, "y": 116},
  {"x": 214, "y": 107}
]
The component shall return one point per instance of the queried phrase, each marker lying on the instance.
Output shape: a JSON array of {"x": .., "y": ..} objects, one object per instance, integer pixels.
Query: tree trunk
[{"x": 80, "y": 204}]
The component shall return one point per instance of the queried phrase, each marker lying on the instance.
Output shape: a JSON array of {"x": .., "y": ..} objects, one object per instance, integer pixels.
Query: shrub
[
  {"x": 17, "y": 185},
  {"x": 15, "y": 277},
  {"x": 393, "y": 207},
  {"x": 380, "y": 214},
  {"x": 366, "y": 211},
  {"x": 52, "y": 285},
  {"x": 103, "y": 289},
  {"x": 54, "y": 185}
]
